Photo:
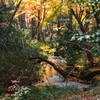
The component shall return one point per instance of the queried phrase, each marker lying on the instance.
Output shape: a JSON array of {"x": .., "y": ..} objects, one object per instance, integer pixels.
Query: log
[
  {"x": 87, "y": 77},
  {"x": 62, "y": 72}
]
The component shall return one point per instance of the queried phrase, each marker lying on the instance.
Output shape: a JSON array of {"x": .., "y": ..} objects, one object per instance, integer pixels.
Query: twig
[{"x": 69, "y": 75}]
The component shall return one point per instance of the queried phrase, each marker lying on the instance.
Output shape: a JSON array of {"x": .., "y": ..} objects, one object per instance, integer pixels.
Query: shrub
[{"x": 14, "y": 65}]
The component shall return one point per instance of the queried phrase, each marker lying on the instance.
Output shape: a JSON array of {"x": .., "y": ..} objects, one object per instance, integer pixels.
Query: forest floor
[{"x": 55, "y": 93}]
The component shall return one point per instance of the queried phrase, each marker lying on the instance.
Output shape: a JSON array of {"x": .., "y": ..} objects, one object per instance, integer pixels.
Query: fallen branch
[
  {"x": 62, "y": 72},
  {"x": 87, "y": 77}
]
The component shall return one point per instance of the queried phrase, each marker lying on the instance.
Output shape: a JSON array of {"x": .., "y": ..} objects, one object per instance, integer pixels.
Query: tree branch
[
  {"x": 62, "y": 72},
  {"x": 87, "y": 77},
  {"x": 79, "y": 20},
  {"x": 17, "y": 7}
]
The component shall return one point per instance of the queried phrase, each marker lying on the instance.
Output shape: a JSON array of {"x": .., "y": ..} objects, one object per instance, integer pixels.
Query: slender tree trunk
[
  {"x": 33, "y": 26},
  {"x": 38, "y": 27},
  {"x": 58, "y": 25},
  {"x": 88, "y": 52},
  {"x": 42, "y": 34},
  {"x": 59, "y": 21},
  {"x": 51, "y": 36},
  {"x": 22, "y": 21},
  {"x": 70, "y": 21}
]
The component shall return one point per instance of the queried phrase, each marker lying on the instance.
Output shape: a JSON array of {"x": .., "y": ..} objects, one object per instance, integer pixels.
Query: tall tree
[
  {"x": 38, "y": 26},
  {"x": 78, "y": 16},
  {"x": 22, "y": 21},
  {"x": 33, "y": 27}
]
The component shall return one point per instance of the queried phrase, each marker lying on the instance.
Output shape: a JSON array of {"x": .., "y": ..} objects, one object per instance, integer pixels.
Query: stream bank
[{"x": 52, "y": 77}]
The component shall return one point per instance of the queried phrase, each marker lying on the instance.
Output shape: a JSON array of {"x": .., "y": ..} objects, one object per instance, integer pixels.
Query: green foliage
[
  {"x": 96, "y": 82},
  {"x": 66, "y": 47},
  {"x": 46, "y": 93},
  {"x": 14, "y": 64},
  {"x": 10, "y": 36},
  {"x": 15, "y": 48},
  {"x": 93, "y": 38},
  {"x": 56, "y": 8},
  {"x": 7, "y": 30},
  {"x": 96, "y": 90},
  {"x": 2, "y": 91},
  {"x": 23, "y": 93}
]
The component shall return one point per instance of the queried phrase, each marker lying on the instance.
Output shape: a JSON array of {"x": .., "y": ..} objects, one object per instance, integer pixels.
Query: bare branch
[
  {"x": 84, "y": 18},
  {"x": 80, "y": 14},
  {"x": 79, "y": 20},
  {"x": 79, "y": 46}
]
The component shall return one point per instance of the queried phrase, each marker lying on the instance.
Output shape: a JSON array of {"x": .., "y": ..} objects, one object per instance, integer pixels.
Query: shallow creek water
[{"x": 52, "y": 77}]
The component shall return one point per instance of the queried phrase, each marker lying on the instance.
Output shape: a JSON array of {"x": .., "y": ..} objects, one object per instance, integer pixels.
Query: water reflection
[
  {"x": 52, "y": 77},
  {"x": 49, "y": 72}
]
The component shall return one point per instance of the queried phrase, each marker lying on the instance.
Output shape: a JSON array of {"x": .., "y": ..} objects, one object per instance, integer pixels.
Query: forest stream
[{"x": 52, "y": 77}]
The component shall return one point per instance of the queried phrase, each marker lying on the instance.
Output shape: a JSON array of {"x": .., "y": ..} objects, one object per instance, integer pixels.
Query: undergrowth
[
  {"x": 55, "y": 93},
  {"x": 44, "y": 93}
]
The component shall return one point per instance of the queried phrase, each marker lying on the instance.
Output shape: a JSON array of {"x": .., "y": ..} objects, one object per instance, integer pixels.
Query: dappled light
[{"x": 49, "y": 49}]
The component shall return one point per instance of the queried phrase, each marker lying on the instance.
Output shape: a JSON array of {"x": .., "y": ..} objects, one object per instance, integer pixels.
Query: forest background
[{"x": 33, "y": 30}]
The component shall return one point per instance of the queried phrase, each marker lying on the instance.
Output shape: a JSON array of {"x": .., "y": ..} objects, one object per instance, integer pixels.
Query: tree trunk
[
  {"x": 70, "y": 21},
  {"x": 33, "y": 26},
  {"x": 38, "y": 27},
  {"x": 58, "y": 24},
  {"x": 88, "y": 52},
  {"x": 22, "y": 21},
  {"x": 97, "y": 17},
  {"x": 42, "y": 34}
]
